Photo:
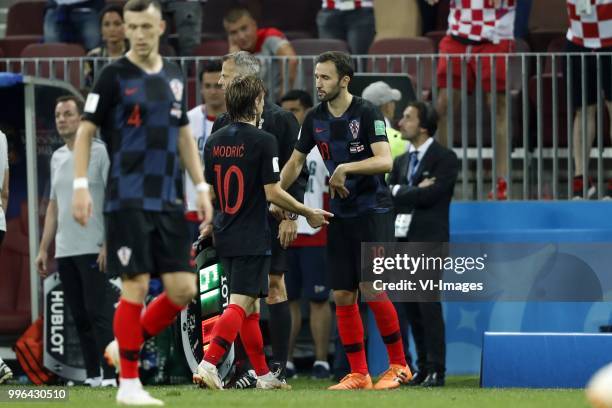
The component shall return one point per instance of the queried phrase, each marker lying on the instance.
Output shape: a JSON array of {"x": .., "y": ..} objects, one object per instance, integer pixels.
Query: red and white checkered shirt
[
  {"x": 346, "y": 4},
  {"x": 590, "y": 23},
  {"x": 479, "y": 20}
]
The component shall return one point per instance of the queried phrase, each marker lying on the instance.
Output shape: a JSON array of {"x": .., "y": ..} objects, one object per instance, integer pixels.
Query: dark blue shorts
[{"x": 307, "y": 273}]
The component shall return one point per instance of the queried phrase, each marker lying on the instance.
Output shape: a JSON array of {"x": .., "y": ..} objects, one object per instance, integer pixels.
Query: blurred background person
[
  {"x": 73, "y": 21},
  {"x": 5, "y": 371},
  {"x": 114, "y": 43},
  {"x": 348, "y": 20},
  {"x": 307, "y": 272}
]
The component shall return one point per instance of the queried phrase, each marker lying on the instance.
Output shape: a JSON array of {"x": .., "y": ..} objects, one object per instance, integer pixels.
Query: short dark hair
[
  {"x": 141, "y": 5},
  {"x": 66, "y": 98},
  {"x": 111, "y": 8},
  {"x": 240, "y": 97},
  {"x": 299, "y": 95},
  {"x": 210, "y": 66},
  {"x": 236, "y": 13},
  {"x": 428, "y": 117},
  {"x": 341, "y": 60}
]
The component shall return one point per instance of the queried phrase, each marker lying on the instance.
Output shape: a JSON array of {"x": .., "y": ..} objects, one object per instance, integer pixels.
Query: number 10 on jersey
[{"x": 229, "y": 182}]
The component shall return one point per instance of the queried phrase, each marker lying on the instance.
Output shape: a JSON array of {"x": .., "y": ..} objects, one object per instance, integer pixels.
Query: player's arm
[
  {"x": 286, "y": 50},
  {"x": 188, "y": 152},
  {"x": 275, "y": 194},
  {"x": 81, "y": 198},
  {"x": 381, "y": 162},
  {"x": 292, "y": 169},
  {"x": 47, "y": 237}
]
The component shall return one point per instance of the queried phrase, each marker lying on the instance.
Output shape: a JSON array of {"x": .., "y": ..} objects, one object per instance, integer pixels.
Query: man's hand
[
  {"x": 427, "y": 182},
  {"x": 277, "y": 212},
  {"x": 41, "y": 262},
  {"x": 81, "y": 205},
  {"x": 101, "y": 261},
  {"x": 205, "y": 230},
  {"x": 336, "y": 183},
  {"x": 204, "y": 207},
  {"x": 287, "y": 232},
  {"x": 318, "y": 217}
]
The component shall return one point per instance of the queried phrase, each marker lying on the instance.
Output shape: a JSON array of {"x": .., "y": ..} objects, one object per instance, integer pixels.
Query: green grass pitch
[{"x": 460, "y": 392}]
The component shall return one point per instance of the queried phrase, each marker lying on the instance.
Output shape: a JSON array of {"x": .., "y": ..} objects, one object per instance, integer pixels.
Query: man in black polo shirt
[
  {"x": 285, "y": 128},
  {"x": 241, "y": 164},
  {"x": 351, "y": 137},
  {"x": 139, "y": 103}
]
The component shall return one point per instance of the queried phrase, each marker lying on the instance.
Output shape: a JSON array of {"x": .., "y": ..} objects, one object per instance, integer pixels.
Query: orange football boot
[
  {"x": 395, "y": 376},
  {"x": 354, "y": 381}
]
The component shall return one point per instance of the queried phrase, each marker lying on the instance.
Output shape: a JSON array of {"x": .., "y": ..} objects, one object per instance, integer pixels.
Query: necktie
[{"x": 412, "y": 166}]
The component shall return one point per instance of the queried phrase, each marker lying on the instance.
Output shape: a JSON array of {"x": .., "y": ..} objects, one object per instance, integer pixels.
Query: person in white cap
[{"x": 385, "y": 97}]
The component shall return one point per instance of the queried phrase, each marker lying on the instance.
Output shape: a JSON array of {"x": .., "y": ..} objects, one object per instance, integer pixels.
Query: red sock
[
  {"x": 388, "y": 325},
  {"x": 128, "y": 332},
  {"x": 350, "y": 328},
  {"x": 250, "y": 333},
  {"x": 224, "y": 333},
  {"x": 158, "y": 315}
]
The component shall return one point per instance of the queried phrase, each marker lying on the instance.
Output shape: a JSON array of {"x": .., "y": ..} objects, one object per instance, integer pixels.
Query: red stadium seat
[
  {"x": 387, "y": 47},
  {"x": 436, "y": 37},
  {"x": 14, "y": 44},
  {"x": 67, "y": 69},
  {"x": 25, "y": 18},
  {"x": 316, "y": 46},
  {"x": 212, "y": 48},
  {"x": 295, "y": 19}
]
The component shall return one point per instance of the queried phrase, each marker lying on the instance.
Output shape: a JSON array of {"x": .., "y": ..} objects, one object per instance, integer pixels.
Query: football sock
[
  {"x": 128, "y": 332},
  {"x": 158, "y": 315},
  {"x": 280, "y": 330},
  {"x": 388, "y": 325},
  {"x": 250, "y": 333},
  {"x": 350, "y": 328},
  {"x": 240, "y": 355},
  {"x": 224, "y": 333}
]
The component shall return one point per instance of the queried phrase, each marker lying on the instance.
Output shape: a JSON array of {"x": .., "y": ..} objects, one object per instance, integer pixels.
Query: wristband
[
  {"x": 80, "y": 182},
  {"x": 202, "y": 187}
]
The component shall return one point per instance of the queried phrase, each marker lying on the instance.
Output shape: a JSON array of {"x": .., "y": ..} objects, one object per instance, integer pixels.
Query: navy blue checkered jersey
[
  {"x": 139, "y": 116},
  {"x": 239, "y": 160},
  {"x": 344, "y": 140}
]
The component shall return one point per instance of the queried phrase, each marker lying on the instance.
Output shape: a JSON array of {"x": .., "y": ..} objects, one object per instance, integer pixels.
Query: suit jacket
[{"x": 430, "y": 205}]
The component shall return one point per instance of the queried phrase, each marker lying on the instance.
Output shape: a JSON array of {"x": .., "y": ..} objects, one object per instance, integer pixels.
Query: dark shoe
[
  {"x": 320, "y": 372},
  {"x": 290, "y": 370},
  {"x": 278, "y": 370},
  {"x": 243, "y": 381},
  {"x": 417, "y": 378},
  {"x": 433, "y": 380}
]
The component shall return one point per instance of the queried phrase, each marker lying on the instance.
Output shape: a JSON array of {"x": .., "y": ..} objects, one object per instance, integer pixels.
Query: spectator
[
  {"x": 114, "y": 44},
  {"x": 5, "y": 371},
  {"x": 348, "y": 20},
  {"x": 479, "y": 27},
  {"x": 590, "y": 31},
  {"x": 306, "y": 257},
  {"x": 244, "y": 35},
  {"x": 429, "y": 14},
  {"x": 422, "y": 184},
  {"x": 187, "y": 19},
  {"x": 80, "y": 251},
  {"x": 73, "y": 21},
  {"x": 383, "y": 96},
  {"x": 521, "y": 22},
  {"x": 201, "y": 120}
]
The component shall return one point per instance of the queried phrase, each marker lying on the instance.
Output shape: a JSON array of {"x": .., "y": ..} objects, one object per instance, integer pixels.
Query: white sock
[
  {"x": 321, "y": 363},
  {"x": 290, "y": 365},
  {"x": 267, "y": 377},
  {"x": 130, "y": 384}
]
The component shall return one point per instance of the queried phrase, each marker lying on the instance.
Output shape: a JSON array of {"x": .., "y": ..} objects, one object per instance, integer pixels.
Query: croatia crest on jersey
[
  {"x": 354, "y": 127},
  {"x": 176, "y": 85}
]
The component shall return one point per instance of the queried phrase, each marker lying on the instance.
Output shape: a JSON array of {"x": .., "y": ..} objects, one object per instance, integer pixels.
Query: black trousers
[
  {"x": 426, "y": 322},
  {"x": 90, "y": 298}
]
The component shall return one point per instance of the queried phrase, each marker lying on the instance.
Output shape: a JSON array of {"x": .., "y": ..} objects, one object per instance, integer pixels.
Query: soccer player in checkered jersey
[
  {"x": 478, "y": 27},
  {"x": 350, "y": 134},
  {"x": 590, "y": 31},
  {"x": 139, "y": 104},
  {"x": 242, "y": 165}
]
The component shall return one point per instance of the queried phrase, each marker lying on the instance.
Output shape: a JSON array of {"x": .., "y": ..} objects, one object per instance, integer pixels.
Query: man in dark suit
[{"x": 422, "y": 184}]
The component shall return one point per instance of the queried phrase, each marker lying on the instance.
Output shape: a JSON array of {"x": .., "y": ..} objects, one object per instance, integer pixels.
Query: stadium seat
[
  {"x": 409, "y": 65},
  {"x": 212, "y": 48},
  {"x": 541, "y": 40},
  {"x": 557, "y": 45},
  {"x": 25, "y": 18},
  {"x": 14, "y": 44},
  {"x": 15, "y": 276},
  {"x": 436, "y": 37},
  {"x": 316, "y": 46},
  {"x": 59, "y": 51}
]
